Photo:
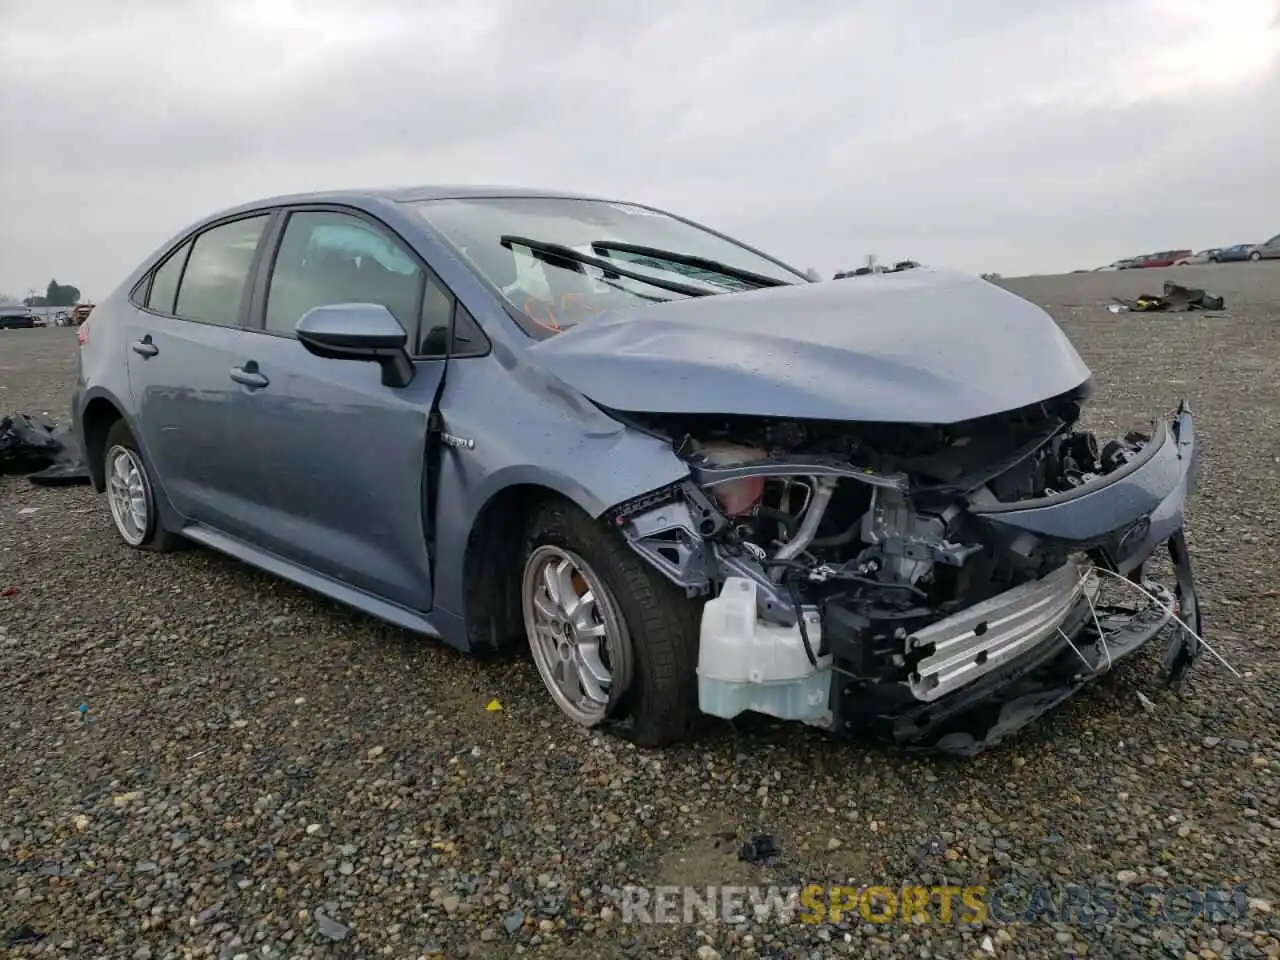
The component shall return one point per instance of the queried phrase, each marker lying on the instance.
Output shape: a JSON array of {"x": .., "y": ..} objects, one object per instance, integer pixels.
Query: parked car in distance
[
  {"x": 1118, "y": 265},
  {"x": 690, "y": 478},
  {"x": 1204, "y": 256},
  {"x": 14, "y": 316},
  {"x": 1165, "y": 258},
  {"x": 1266, "y": 251},
  {"x": 1235, "y": 253}
]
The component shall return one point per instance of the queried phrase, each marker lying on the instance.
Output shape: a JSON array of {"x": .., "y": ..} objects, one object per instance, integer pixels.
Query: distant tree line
[{"x": 56, "y": 295}]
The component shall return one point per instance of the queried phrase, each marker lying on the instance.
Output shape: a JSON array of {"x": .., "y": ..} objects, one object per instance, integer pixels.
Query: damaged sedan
[{"x": 694, "y": 480}]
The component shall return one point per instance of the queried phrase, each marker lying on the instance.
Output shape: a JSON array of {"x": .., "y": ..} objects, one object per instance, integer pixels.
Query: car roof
[{"x": 404, "y": 195}]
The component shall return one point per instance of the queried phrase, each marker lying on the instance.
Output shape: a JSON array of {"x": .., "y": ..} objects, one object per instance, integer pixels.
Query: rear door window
[
  {"x": 164, "y": 283},
  {"x": 214, "y": 282}
]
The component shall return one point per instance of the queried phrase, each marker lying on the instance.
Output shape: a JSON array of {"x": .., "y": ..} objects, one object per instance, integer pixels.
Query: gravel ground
[{"x": 252, "y": 754}]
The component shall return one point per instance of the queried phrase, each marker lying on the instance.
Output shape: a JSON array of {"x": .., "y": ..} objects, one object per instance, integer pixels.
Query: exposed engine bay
[{"x": 892, "y": 567}]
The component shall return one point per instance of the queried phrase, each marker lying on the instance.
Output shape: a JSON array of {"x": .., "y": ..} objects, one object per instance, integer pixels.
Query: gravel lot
[{"x": 252, "y": 754}]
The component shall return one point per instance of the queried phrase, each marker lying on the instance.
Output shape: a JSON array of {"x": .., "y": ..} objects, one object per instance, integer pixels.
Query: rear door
[
  {"x": 342, "y": 488},
  {"x": 185, "y": 338}
]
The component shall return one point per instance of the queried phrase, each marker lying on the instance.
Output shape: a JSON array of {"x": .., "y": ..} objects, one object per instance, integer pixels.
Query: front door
[{"x": 342, "y": 469}]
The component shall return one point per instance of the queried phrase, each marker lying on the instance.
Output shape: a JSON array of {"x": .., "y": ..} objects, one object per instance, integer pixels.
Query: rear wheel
[
  {"x": 130, "y": 493},
  {"x": 1255, "y": 255},
  {"x": 612, "y": 639}
]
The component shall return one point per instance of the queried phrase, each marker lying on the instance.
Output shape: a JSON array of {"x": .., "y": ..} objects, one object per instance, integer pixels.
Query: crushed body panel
[{"x": 825, "y": 351}]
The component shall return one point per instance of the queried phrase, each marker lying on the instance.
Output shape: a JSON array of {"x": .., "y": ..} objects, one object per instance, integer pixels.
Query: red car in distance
[{"x": 1166, "y": 258}]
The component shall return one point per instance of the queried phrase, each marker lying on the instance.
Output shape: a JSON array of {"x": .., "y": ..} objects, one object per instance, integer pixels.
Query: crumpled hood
[{"x": 921, "y": 346}]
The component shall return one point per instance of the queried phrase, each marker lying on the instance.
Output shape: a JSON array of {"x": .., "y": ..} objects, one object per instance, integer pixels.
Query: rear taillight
[{"x": 82, "y": 333}]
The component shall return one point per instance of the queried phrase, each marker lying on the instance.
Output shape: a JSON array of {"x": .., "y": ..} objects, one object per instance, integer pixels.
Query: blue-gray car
[{"x": 693, "y": 479}]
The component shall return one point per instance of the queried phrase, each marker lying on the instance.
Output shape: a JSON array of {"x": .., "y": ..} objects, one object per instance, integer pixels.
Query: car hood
[{"x": 922, "y": 346}]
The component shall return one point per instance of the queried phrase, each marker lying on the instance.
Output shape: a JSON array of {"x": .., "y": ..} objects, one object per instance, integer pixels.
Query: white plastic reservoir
[{"x": 746, "y": 664}]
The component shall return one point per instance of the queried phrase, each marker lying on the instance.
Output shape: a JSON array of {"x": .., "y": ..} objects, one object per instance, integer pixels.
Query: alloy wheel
[
  {"x": 129, "y": 494},
  {"x": 577, "y": 634}
]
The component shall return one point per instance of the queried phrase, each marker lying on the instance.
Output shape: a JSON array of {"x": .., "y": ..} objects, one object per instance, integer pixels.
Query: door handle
[
  {"x": 249, "y": 376},
  {"x": 144, "y": 347}
]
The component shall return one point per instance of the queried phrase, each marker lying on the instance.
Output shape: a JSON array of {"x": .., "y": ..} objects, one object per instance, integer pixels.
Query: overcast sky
[{"x": 1017, "y": 136}]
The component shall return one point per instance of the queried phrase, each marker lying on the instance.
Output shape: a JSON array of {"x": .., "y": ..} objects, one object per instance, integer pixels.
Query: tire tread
[{"x": 662, "y": 704}]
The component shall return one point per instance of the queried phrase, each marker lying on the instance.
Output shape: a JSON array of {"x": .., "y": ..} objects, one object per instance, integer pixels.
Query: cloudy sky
[{"x": 1009, "y": 135}]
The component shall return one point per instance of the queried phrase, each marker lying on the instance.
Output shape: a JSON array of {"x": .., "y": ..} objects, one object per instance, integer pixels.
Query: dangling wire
[
  {"x": 1093, "y": 611},
  {"x": 1083, "y": 659},
  {"x": 1177, "y": 619}
]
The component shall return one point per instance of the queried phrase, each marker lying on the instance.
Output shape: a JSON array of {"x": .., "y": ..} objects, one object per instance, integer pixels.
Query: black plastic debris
[
  {"x": 1176, "y": 299},
  {"x": 33, "y": 445},
  {"x": 19, "y": 936},
  {"x": 761, "y": 849}
]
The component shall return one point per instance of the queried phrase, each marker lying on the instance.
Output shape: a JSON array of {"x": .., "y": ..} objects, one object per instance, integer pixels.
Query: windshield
[{"x": 553, "y": 292}]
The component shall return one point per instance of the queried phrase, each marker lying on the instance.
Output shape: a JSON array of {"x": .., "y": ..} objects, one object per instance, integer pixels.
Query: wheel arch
[
  {"x": 99, "y": 411},
  {"x": 493, "y": 559}
]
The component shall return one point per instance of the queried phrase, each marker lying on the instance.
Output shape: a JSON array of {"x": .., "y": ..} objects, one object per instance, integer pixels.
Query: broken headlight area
[{"x": 932, "y": 584}]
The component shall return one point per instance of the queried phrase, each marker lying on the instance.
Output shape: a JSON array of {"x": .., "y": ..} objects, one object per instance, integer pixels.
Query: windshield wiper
[
  {"x": 558, "y": 251},
  {"x": 689, "y": 260}
]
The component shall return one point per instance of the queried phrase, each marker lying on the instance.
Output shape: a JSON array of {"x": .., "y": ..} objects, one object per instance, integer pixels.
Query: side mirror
[{"x": 358, "y": 331}]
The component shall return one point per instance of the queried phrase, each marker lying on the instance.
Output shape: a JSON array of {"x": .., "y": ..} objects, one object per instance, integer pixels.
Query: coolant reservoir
[{"x": 736, "y": 497}]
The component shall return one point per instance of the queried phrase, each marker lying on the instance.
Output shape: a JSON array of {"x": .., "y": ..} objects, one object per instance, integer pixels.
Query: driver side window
[{"x": 329, "y": 258}]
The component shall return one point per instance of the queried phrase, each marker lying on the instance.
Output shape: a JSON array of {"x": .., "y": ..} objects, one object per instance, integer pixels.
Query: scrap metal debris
[
  {"x": 328, "y": 927},
  {"x": 761, "y": 849},
  {"x": 1176, "y": 299},
  {"x": 32, "y": 445}
]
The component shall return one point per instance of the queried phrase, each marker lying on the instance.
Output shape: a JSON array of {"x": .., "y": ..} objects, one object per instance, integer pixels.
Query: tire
[
  {"x": 131, "y": 494},
  {"x": 650, "y": 630},
  {"x": 1255, "y": 256}
]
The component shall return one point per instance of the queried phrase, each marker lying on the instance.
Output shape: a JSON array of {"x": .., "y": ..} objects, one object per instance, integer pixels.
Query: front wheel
[
  {"x": 1255, "y": 256},
  {"x": 611, "y": 637}
]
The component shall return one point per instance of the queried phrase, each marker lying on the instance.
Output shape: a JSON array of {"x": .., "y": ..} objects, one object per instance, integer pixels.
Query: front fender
[{"x": 530, "y": 434}]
